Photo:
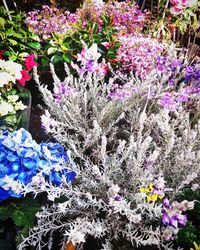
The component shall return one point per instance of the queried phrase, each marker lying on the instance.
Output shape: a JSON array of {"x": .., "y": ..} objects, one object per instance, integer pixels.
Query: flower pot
[{"x": 21, "y": 118}]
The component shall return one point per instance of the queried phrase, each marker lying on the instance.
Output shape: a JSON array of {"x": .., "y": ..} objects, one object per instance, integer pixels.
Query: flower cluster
[
  {"x": 123, "y": 146},
  {"x": 155, "y": 190},
  {"x": 172, "y": 216},
  {"x": 126, "y": 16},
  {"x": 192, "y": 75},
  {"x": 24, "y": 162},
  {"x": 49, "y": 20},
  {"x": 139, "y": 54},
  {"x": 89, "y": 61},
  {"x": 10, "y": 73},
  {"x": 122, "y": 92},
  {"x": 178, "y": 6}
]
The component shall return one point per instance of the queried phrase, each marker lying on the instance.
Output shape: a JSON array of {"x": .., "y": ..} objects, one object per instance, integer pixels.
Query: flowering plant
[
  {"x": 26, "y": 165},
  {"x": 12, "y": 77},
  {"x": 130, "y": 148}
]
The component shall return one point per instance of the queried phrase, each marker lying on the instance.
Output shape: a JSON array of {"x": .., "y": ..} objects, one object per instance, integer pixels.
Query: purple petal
[
  {"x": 182, "y": 219},
  {"x": 166, "y": 202},
  {"x": 165, "y": 219},
  {"x": 174, "y": 222}
]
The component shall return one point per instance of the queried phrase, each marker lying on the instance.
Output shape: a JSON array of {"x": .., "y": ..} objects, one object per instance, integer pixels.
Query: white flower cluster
[
  {"x": 11, "y": 105},
  {"x": 9, "y": 72}
]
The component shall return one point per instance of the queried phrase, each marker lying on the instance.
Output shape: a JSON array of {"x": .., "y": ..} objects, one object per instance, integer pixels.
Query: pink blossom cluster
[
  {"x": 178, "y": 6},
  {"x": 173, "y": 100},
  {"x": 126, "y": 16},
  {"x": 139, "y": 53},
  {"x": 90, "y": 12},
  {"x": 29, "y": 64},
  {"x": 88, "y": 60},
  {"x": 122, "y": 92},
  {"x": 49, "y": 20},
  {"x": 63, "y": 90}
]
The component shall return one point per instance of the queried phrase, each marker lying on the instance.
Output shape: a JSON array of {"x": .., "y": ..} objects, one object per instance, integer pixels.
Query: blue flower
[{"x": 21, "y": 158}]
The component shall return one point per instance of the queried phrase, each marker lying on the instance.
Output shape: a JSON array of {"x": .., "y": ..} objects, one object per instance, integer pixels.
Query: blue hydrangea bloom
[{"x": 21, "y": 158}]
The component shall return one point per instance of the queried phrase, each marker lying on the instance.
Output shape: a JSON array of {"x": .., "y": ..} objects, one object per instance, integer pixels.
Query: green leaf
[
  {"x": 56, "y": 59},
  {"x": 51, "y": 50},
  {"x": 67, "y": 57},
  {"x": 13, "y": 57},
  {"x": 9, "y": 32},
  {"x": 67, "y": 39},
  {"x": 44, "y": 61},
  {"x": 97, "y": 38},
  {"x": 34, "y": 45},
  {"x": 106, "y": 20},
  {"x": 19, "y": 218},
  {"x": 18, "y": 35},
  {"x": 12, "y": 41},
  {"x": 94, "y": 27},
  {"x": 2, "y": 22}
]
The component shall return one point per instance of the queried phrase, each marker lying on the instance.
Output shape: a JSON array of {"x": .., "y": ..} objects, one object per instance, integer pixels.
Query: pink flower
[
  {"x": 179, "y": 5},
  {"x": 106, "y": 45},
  {"x": 25, "y": 77},
  {"x": 29, "y": 62},
  {"x": 175, "y": 11}
]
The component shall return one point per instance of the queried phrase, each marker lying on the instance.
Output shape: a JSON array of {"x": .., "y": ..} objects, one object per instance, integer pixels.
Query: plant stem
[{"x": 7, "y": 10}]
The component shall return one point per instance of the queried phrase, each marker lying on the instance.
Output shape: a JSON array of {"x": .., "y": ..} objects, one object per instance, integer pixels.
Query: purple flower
[
  {"x": 166, "y": 203},
  {"x": 182, "y": 219},
  {"x": 118, "y": 198},
  {"x": 174, "y": 222},
  {"x": 165, "y": 219}
]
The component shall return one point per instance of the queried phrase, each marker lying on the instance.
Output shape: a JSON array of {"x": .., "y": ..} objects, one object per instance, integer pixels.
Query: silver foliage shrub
[{"x": 119, "y": 146}]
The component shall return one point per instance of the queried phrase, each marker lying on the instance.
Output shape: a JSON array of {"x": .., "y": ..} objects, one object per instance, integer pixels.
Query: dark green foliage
[{"x": 191, "y": 232}]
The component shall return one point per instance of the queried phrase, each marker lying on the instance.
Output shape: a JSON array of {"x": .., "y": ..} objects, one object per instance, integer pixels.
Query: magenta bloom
[
  {"x": 179, "y": 5},
  {"x": 29, "y": 62},
  {"x": 25, "y": 77}
]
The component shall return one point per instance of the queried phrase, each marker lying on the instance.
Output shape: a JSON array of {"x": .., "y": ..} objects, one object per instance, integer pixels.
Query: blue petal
[
  {"x": 4, "y": 170},
  {"x": 13, "y": 194},
  {"x": 12, "y": 156},
  {"x": 15, "y": 166},
  {"x": 9, "y": 143},
  {"x": 30, "y": 153},
  {"x": 25, "y": 177},
  {"x": 29, "y": 163},
  {"x": 22, "y": 177},
  {"x": 70, "y": 176},
  {"x": 42, "y": 164},
  {"x": 55, "y": 178},
  {"x": 3, "y": 194},
  {"x": 2, "y": 155}
]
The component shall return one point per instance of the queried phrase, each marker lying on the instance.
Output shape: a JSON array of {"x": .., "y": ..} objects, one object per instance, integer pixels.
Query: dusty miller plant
[{"x": 131, "y": 154}]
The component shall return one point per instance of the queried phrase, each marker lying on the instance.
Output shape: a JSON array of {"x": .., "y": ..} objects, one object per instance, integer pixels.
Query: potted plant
[{"x": 15, "y": 100}]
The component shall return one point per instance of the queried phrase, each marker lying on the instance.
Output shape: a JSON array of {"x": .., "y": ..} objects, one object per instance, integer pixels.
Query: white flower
[
  {"x": 92, "y": 53},
  {"x": 19, "y": 106},
  {"x": 48, "y": 122},
  {"x": 13, "y": 68},
  {"x": 5, "y": 78},
  {"x": 75, "y": 236},
  {"x": 15, "y": 186},
  {"x": 13, "y": 98},
  {"x": 5, "y": 108},
  {"x": 98, "y": 3}
]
